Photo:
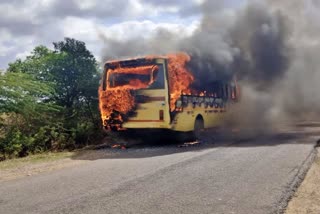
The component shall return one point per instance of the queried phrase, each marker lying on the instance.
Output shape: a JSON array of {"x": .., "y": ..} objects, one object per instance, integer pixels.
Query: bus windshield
[{"x": 142, "y": 77}]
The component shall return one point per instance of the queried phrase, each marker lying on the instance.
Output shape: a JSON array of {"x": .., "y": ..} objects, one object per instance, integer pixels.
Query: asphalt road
[{"x": 223, "y": 176}]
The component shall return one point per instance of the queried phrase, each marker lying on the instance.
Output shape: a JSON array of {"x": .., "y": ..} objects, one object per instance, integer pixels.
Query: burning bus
[{"x": 156, "y": 92}]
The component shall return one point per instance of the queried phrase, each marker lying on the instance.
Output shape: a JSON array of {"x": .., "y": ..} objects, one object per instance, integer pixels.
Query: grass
[{"x": 33, "y": 159}]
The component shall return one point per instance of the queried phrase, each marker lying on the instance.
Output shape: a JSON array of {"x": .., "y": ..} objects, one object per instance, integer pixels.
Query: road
[{"x": 218, "y": 176}]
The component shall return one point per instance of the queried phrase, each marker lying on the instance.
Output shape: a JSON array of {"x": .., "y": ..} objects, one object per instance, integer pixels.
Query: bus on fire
[{"x": 155, "y": 93}]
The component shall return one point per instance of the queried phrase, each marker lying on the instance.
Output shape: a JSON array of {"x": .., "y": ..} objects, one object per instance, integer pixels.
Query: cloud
[
  {"x": 144, "y": 38},
  {"x": 183, "y": 8},
  {"x": 28, "y": 23},
  {"x": 93, "y": 8},
  {"x": 16, "y": 20}
]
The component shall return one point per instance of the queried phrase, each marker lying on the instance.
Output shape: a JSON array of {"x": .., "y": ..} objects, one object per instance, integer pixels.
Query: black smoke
[
  {"x": 254, "y": 48},
  {"x": 270, "y": 46},
  {"x": 251, "y": 45}
]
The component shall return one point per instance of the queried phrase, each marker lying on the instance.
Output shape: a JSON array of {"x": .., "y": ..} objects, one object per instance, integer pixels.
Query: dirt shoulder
[
  {"x": 307, "y": 198},
  {"x": 35, "y": 164}
]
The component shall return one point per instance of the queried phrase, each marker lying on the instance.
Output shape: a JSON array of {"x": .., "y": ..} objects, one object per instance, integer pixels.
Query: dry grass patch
[
  {"x": 307, "y": 198},
  {"x": 33, "y": 159},
  {"x": 35, "y": 164}
]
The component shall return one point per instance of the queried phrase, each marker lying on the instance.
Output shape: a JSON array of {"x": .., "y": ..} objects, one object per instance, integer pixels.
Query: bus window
[
  {"x": 117, "y": 80},
  {"x": 158, "y": 77},
  {"x": 217, "y": 90},
  {"x": 153, "y": 79}
]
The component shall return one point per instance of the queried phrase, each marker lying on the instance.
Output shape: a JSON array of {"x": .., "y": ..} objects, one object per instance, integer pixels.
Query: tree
[
  {"x": 38, "y": 64},
  {"x": 24, "y": 108},
  {"x": 70, "y": 70},
  {"x": 77, "y": 75},
  {"x": 77, "y": 82}
]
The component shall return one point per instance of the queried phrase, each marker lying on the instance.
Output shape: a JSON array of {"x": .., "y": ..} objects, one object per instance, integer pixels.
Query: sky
[{"x": 25, "y": 24}]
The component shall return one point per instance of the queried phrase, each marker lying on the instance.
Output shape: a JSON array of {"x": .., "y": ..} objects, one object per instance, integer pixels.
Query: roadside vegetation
[{"x": 48, "y": 101}]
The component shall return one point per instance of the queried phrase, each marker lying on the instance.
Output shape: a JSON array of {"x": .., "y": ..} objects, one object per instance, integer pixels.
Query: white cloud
[
  {"x": 87, "y": 4},
  {"x": 89, "y": 31},
  {"x": 146, "y": 29},
  {"x": 4, "y": 35},
  {"x": 26, "y": 24},
  {"x": 23, "y": 55},
  {"x": 83, "y": 29},
  {"x": 4, "y": 50}
]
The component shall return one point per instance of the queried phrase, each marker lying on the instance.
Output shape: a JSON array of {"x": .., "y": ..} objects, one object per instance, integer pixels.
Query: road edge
[{"x": 294, "y": 184}]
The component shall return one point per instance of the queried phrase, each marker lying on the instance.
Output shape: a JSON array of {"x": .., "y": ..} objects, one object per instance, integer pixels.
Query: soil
[
  {"x": 29, "y": 169},
  {"x": 307, "y": 197}
]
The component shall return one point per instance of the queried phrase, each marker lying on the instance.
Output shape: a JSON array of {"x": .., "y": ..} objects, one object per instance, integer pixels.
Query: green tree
[
  {"x": 77, "y": 73},
  {"x": 73, "y": 72},
  {"x": 77, "y": 80},
  {"x": 20, "y": 93},
  {"x": 24, "y": 108},
  {"x": 70, "y": 70}
]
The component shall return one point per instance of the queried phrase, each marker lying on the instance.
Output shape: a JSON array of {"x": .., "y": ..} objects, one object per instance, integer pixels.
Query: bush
[
  {"x": 14, "y": 144},
  {"x": 47, "y": 138},
  {"x": 50, "y": 99}
]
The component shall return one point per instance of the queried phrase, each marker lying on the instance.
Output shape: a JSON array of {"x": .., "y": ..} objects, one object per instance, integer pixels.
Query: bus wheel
[{"x": 198, "y": 127}]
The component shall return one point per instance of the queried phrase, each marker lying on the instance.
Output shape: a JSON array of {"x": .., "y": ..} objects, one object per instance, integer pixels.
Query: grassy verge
[{"x": 34, "y": 159}]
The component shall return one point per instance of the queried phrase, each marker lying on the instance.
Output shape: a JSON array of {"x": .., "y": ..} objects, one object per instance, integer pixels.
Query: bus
[{"x": 142, "y": 94}]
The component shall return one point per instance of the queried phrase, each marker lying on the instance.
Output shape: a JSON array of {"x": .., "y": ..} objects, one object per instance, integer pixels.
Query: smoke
[
  {"x": 271, "y": 46},
  {"x": 162, "y": 42},
  {"x": 298, "y": 94},
  {"x": 253, "y": 46}
]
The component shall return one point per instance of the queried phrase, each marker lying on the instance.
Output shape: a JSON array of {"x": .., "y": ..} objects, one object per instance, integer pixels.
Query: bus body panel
[
  {"x": 184, "y": 121},
  {"x": 152, "y": 109},
  {"x": 153, "y": 106}
]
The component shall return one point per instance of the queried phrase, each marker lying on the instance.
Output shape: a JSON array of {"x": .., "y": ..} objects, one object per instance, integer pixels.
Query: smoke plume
[{"x": 270, "y": 46}]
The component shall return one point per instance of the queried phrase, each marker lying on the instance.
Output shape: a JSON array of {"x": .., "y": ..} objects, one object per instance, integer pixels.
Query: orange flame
[
  {"x": 112, "y": 100},
  {"x": 179, "y": 77},
  {"x": 145, "y": 70},
  {"x": 120, "y": 98},
  {"x": 133, "y": 84}
]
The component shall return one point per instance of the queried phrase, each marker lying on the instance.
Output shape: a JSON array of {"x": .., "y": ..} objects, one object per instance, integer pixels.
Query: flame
[
  {"x": 109, "y": 101},
  {"x": 180, "y": 78},
  {"x": 133, "y": 84},
  {"x": 120, "y": 97},
  {"x": 145, "y": 70}
]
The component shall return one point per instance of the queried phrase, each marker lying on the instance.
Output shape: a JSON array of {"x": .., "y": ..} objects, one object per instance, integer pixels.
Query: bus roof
[{"x": 134, "y": 62}]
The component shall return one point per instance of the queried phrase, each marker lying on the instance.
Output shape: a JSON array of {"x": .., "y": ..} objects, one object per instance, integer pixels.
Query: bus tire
[{"x": 198, "y": 127}]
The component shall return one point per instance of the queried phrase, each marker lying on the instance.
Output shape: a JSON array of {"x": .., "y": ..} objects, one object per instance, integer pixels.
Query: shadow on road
[{"x": 159, "y": 145}]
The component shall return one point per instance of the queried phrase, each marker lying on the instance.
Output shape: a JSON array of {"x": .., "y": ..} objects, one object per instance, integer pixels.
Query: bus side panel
[
  {"x": 213, "y": 117},
  {"x": 184, "y": 121}
]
